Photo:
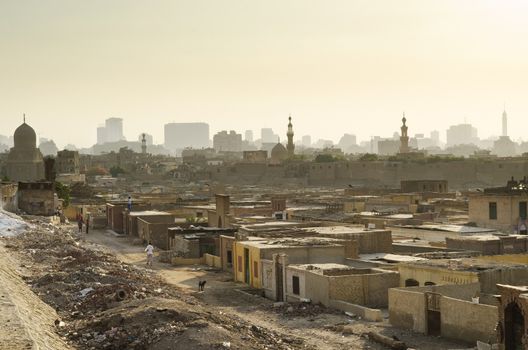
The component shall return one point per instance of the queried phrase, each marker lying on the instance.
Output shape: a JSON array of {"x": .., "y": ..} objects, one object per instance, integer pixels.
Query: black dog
[{"x": 201, "y": 285}]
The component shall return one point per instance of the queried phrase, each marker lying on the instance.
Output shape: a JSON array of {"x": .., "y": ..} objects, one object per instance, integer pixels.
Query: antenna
[{"x": 24, "y": 116}]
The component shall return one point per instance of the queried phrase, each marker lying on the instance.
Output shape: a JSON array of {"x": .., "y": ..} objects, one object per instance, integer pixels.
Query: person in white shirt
[{"x": 150, "y": 253}]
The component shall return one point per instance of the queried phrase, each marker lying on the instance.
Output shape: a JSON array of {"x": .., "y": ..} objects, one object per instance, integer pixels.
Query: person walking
[
  {"x": 87, "y": 223},
  {"x": 80, "y": 222},
  {"x": 129, "y": 204},
  {"x": 150, "y": 253}
]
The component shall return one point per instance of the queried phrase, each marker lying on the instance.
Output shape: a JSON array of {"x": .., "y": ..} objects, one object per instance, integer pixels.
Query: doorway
[{"x": 514, "y": 327}]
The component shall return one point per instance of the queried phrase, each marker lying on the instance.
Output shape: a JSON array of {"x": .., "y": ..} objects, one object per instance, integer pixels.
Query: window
[
  {"x": 255, "y": 269},
  {"x": 239, "y": 263},
  {"x": 295, "y": 285},
  {"x": 522, "y": 210},
  {"x": 493, "y": 210}
]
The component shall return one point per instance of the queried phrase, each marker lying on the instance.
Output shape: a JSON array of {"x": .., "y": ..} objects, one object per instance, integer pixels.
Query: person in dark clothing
[
  {"x": 80, "y": 223},
  {"x": 87, "y": 224}
]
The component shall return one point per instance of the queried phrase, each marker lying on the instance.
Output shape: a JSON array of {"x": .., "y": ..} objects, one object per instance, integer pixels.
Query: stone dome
[
  {"x": 279, "y": 152},
  {"x": 25, "y": 137}
]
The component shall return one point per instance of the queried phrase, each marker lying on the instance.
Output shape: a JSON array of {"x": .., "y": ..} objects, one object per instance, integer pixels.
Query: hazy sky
[{"x": 336, "y": 66}]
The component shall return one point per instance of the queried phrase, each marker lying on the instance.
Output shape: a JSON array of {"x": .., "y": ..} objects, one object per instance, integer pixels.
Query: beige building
[
  {"x": 67, "y": 162},
  {"x": 501, "y": 208},
  {"x": 330, "y": 284},
  {"x": 25, "y": 161}
]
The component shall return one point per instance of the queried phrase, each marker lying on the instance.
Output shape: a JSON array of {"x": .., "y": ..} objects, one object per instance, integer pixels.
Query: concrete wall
[
  {"x": 226, "y": 245},
  {"x": 370, "y": 289},
  {"x": 507, "y": 275},
  {"x": 212, "y": 260},
  {"x": 407, "y": 309},
  {"x": 318, "y": 290},
  {"x": 308, "y": 254},
  {"x": 468, "y": 322}
]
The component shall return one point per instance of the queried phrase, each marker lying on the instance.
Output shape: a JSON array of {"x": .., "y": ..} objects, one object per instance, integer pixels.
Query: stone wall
[
  {"x": 407, "y": 309},
  {"x": 460, "y": 174},
  {"x": 369, "y": 289},
  {"x": 467, "y": 321}
]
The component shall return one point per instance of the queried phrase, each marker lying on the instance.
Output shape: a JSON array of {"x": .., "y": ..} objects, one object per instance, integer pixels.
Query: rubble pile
[
  {"x": 302, "y": 309},
  {"x": 104, "y": 303}
]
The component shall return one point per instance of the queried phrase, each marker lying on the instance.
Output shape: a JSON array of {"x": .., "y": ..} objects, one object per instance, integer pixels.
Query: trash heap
[{"x": 107, "y": 304}]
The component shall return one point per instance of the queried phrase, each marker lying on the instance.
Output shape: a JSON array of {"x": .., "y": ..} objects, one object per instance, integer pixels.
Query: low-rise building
[
  {"x": 37, "y": 198},
  {"x": 249, "y": 254},
  {"x": 501, "y": 208},
  {"x": 490, "y": 244},
  {"x": 461, "y": 272},
  {"x": 332, "y": 284},
  {"x": 194, "y": 242}
]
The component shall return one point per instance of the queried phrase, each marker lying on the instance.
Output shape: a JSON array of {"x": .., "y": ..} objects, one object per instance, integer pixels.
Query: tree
[
  {"x": 325, "y": 158},
  {"x": 63, "y": 192},
  {"x": 116, "y": 170},
  {"x": 368, "y": 157}
]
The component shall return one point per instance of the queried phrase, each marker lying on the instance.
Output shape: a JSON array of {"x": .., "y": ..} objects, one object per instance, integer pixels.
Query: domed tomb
[
  {"x": 279, "y": 153},
  {"x": 25, "y": 161}
]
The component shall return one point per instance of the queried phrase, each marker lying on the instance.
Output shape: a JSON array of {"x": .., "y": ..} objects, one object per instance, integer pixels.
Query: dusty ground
[
  {"x": 316, "y": 327},
  {"x": 79, "y": 278}
]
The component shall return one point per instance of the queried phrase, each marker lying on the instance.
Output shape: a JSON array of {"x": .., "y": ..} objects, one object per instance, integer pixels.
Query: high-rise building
[
  {"x": 462, "y": 134},
  {"x": 181, "y": 135},
  {"x": 435, "y": 136},
  {"x": 101, "y": 135},
  {"x": 114, "y": 129},
  {"x": 248, "y": 136},
  {"x": 227, "y": 142},
  {"x": 306, "y": 141},
  {"x": 267, "y": 135}
]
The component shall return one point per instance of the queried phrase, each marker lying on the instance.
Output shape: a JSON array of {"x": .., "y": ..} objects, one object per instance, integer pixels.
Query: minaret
[
  {"x": 143, "y": 144},
  {"x": 290, "y": 146},
  {"x": 504, "y": 123},
  {"x": 404, "y": 139}
]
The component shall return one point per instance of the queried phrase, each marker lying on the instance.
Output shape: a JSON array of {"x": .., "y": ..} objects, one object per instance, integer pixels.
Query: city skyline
[{"x": 337, "y": 67}]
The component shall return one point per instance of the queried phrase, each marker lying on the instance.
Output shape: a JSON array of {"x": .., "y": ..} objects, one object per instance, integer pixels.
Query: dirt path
[
  {"x": 225, "y": 296},
  {"x": 26, "y": 322}
]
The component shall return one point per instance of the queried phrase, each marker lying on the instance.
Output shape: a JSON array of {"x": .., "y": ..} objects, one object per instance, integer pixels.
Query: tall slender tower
[
  {"x": 143, "y": 144},
  {"x": 404, "y": 139},
  {"x": 504, "y": 123},
  {"x": 290, "y": 146}
]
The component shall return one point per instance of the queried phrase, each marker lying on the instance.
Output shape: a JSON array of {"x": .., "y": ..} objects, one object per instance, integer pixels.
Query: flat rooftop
[
  {"x": 291, "y": 243},
  {"x": 392, "y": 258},
  {"x": 337, "y": 230},
  {"x": 148, "y": 213},
  {"x": 466, "y": 264},
  {"x": 449, "y": 228}
]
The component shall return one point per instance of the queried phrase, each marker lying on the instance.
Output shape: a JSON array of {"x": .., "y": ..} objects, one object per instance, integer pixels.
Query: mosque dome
[
  {"x": 25, "y": 137},
  {"x": 279, "y": 152}
]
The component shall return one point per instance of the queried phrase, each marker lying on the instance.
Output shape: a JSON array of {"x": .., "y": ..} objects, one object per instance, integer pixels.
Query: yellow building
[
  {"x": 463, "y": 271},
  {"x": 248, "y": 255}
]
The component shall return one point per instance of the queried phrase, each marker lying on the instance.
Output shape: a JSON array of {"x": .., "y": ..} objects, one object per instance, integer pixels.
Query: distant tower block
[
  {"x": 290, "y": 146},
  {"x": 143, "y": 144},
  {"x": 504, "y": 123},
  {"x": 404, "y": 139}
]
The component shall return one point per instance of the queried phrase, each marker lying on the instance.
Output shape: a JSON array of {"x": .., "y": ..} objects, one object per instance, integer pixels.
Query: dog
[{"x": 201, "y": 285}]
